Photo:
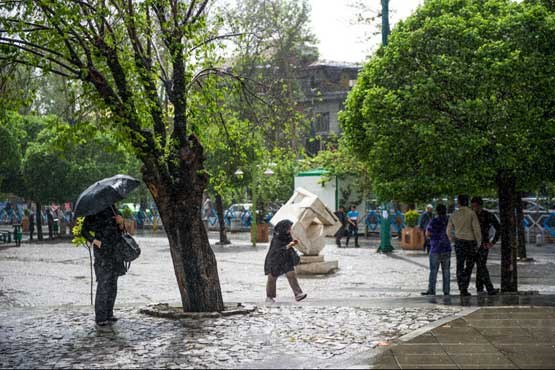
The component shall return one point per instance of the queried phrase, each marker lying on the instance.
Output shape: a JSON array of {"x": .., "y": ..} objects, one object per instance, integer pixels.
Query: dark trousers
[
  {"x": 466, "y": 251},
  {"x": 339, "y": 235},
  {"x": 106, "y": 290},
  {"x": 31, "y": 232},
  {"x": 353, "y": 230},
  {"x": 426, "y": 246},
  {"x": 482, "y": 273},
  {"x": 50, "y": 230},
  {"x": 293, "y": 282}
]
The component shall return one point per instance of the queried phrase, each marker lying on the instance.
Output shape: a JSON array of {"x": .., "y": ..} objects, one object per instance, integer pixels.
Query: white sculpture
[{"x": 312, "y": 222}]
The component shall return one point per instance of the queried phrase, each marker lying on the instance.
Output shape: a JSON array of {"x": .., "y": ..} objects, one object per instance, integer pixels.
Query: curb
[{"x": 436, "y": 324}]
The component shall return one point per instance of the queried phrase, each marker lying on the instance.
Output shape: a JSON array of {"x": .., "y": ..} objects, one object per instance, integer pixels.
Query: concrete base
[
  {"x": 311, "y": 259},
  {"x": 317, "y": 268}
]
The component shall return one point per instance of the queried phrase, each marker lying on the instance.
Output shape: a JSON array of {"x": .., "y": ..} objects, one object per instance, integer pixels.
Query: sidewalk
[{"x": 492, "y": 337}]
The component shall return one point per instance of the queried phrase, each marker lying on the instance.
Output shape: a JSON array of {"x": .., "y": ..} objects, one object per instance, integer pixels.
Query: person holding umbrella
[{"x": 103, "y": 227}]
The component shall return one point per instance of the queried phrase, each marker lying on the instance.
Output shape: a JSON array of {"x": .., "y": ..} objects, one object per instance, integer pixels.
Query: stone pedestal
[
  {"x": 312, "y": 221},
  {"x": 315, "y": 265}
]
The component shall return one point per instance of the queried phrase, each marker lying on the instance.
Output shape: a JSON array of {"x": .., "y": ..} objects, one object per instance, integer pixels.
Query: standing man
[
  {"x": 340, "y": 213},
  {"x": 50, "y": 222},
  {"x": 31, "y": 224},
  {"x": 425, "y": 220},
  {"x": 487, "y": 220},
  {"x": 352, "y": 218},
  {"x": 465, "y": 226}
]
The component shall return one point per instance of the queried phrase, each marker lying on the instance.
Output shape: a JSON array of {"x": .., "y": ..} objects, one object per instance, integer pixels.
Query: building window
[{"x": 322, "y": 122}]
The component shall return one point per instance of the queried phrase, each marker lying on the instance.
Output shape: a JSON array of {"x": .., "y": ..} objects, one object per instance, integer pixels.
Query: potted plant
[
  {"x": 127, "y": 215},
  {"x": 411, "y": 236}
]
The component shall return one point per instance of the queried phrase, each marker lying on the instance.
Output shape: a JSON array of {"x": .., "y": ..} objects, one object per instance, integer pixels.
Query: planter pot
[
  {"x": 130, "y": 226},
  {"x": 412, "y": 238},
  {"x": 262, "y": 233},
  {"x": 25, "y": 224}
]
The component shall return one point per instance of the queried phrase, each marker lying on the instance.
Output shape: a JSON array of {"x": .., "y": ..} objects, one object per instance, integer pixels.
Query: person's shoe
[
  {"x": 357, "y": 246},
  {"x": 493, "y": 292},
  {"x": 300, "y": 297},
  {"x": 270, "y": 300},
  {"x": 446, "y": 294},
  {"x": 113, "y": 319},
  {"x": 427, "y": 293},
  {"x": 104, "y": 325},
  {"x": 465, "y": 294}
]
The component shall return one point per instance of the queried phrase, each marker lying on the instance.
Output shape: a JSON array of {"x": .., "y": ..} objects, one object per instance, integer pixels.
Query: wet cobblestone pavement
[
  {"x": 296, "y": 336},
  {"x": 45, "y": 320}
]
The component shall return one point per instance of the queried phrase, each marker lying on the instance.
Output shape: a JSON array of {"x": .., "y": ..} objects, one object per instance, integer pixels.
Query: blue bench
[{"x": 5, "y": 236}]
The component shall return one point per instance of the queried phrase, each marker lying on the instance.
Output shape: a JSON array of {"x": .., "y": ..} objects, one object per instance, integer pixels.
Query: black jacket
[
  {"x": 103, "y": 226},
  {"x": 280, "y": 259}
]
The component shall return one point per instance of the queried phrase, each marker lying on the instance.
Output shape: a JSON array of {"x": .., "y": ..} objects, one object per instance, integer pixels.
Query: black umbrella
[{"x": 103, "y": 194}]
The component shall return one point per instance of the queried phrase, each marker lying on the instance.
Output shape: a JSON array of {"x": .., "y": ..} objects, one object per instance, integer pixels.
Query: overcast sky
[{"x": 343, "y": 41}]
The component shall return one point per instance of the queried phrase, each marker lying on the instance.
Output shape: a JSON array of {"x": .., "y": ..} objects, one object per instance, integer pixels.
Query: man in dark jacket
[
  {"x": 103, "y": 230},
  {"x": 487, "y": 221},
  {"x": 340, "y": 213},
  {"x": 50, "y": 222},
  {"x": 425, "y": 220}
]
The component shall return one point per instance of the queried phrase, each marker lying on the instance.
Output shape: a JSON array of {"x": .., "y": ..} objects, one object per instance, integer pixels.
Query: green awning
[{"x": 315, "y": 172}]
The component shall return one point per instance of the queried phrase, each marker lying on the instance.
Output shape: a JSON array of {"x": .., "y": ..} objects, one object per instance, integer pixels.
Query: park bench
[{"x": 5, "y": 236}]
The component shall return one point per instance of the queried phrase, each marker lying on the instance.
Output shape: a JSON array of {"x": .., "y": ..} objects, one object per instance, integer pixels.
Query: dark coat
[
  {"x": 280, "y": 259},
  {"x": 103, "y": 226}
]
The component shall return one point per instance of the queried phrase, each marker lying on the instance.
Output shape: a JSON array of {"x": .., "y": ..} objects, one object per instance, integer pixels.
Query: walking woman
[
  {"x": 440, "y": 251},
  {"x": 281, "y": 260},
  {"x": 103, "y": 231}
]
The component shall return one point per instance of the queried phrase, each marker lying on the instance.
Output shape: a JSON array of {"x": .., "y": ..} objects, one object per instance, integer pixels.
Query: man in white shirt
[{"x": 464, "y": 229}]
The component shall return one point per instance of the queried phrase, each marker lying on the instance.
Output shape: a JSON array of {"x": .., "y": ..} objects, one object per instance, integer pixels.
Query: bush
[
  {"x": 127, "y": 213},
  {"x": 411, "y": 218}
]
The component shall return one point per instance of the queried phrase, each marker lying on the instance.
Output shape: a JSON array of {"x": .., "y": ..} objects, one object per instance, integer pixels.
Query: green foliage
[
  {"x": 464, "y": 92},
  {"x": 127, "y": 212},
  {"x": 10, "y": 161},
  {"x": 58, "y": 161},
  {"x": 275, "y": 46},
  {"x": 78, "y": 239},
  {"x": 411, "y": 218}
]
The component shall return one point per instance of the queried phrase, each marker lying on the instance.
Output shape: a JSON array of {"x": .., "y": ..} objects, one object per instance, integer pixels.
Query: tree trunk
[
  {"x": 520, "y": 226},
  {"x": 220, "y": 212},
  {"x": 38, "y": 217},
  {"x": 178, "y": 196},
  {"x": 506, "y": 185}
]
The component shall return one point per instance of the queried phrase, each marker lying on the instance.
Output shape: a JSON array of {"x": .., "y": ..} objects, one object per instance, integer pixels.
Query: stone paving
[
  {"x": 372, "y": 300},
  {"x": 284, "y": 337},
  {"x": 489, "y": 338}
]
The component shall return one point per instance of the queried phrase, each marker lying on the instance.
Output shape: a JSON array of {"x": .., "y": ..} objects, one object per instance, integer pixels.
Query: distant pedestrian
[
  {"x": 487, "y": 221},
  {"x": 50, "y": 222},
  {"x": 281, "y": 260},
  {"x": 31, "y": 224},
  {"x": 425, "y": 220},
  {"x": 440, "y": 251},
  {"x": 467, "y": 235},
  {"x": 103, "y": 230},
  {"x": 340, "y": 213},
  {"x": 352, "y": 218}
]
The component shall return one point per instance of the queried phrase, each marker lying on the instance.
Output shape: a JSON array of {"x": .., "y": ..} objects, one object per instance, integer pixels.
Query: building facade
[{"x": 325, "y": 86}]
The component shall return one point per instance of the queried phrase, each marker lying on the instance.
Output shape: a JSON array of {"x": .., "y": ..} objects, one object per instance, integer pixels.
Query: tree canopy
[{"x": 463, "y": 93}]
